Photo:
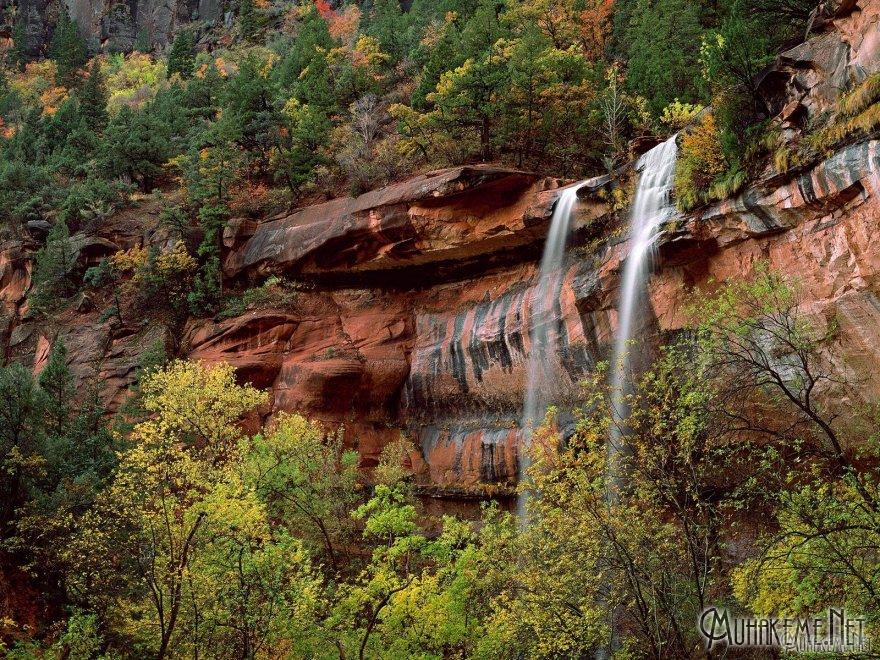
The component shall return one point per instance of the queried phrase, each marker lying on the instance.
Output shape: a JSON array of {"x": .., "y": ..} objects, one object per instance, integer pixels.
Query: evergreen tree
[
  {"x": 53, "y": 264},
  {"x": 181, "y": 58},
  {"x": 67, "y": 48},
  {"x": 19, "y": 54},
  {"x": 57, "y": 384},
  {"x": 93, "y": 99},
  {"x": 311, "y": 44},
  {"x": 446, "y": 54},
  {"x": 663, "y": 44},
  {"x": 301, "y": 147},
  {"x": 136, "y": 145},
  {"x": 391, "y": 26},
  {"x": 142, "y": 43},
  {"x": 20, "y": 437},
  {"x": 211, "y": 168},
  {"x": 482, "y": 30},
  {"x": 249, "y": 116},
  {"x": 732, "y": 58},
  {"x": 247, "y": 19}
]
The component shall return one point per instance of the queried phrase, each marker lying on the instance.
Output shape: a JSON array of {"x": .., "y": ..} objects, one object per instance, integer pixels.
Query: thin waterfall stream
[
  {"x": 543, "y": 350},
  {"x": 652, "y": 208}
]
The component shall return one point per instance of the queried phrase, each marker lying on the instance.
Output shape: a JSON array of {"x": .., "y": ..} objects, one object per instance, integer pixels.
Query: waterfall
[
  {"x": 652, "y": 207},
  {"x": 543, "y": 353}
]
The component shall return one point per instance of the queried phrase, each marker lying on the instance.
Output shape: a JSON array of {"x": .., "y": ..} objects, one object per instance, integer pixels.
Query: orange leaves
[
  {"x": 36, "y": 85},
  {"x": 344, "y": 25},
  {"x": 6, "y": 131},
  {"x": 52, "y": 98},
  {"x": 704, "y": 145},
  {"x": 324, "y": 9},
  {"x": 596, "y": 27},
  {"x": 700, "y": 163}
]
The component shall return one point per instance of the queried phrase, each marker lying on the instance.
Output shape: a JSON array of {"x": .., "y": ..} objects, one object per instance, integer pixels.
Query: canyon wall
[
  {"x": 113, "y": 26},
  {"x": 412, "y": 314}
]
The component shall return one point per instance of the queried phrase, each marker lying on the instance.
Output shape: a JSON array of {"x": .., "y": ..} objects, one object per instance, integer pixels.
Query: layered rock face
[
  {"x": 414, "y": 316},
  {"x": 114, "y": 26}
]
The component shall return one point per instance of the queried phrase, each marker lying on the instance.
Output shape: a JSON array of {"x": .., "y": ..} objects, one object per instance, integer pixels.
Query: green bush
[
  {"x": 700, "y": 162},
  {"x": 273, "y": 292},
  {"x": 52, "y": 280}
]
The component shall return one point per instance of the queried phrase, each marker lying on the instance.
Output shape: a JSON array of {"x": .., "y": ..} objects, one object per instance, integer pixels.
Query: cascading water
[
  {"x": 652, "y": 207},
  {"x": 540, "y": 370}
]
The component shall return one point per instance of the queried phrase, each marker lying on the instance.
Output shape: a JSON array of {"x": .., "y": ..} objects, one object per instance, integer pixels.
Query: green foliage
[
  {"x": 67, "y": 48},
  {"x": 444, "y": 53},
  {"x": 732, "y": 57},
  {"x": 309, "y": 481},
  {"x": 93, "y": 99},
  {"x": 274, "y": 292},
  {"x": 181, "y": 57},
  {"x": 24, "y": 192},
  {"x": 300, "y": 148},
  {"x": 19, "y": 53},
  {"x": 663, "y": 49},
  {"x": 82, "y": 640},
  {"x": 677, "y": 115},
  {"x": 142, "y": 42},
  {"x": 301, "y": 66},
  {"x": 392, "y": 27},
  {"x": 136, "y": 145},
  {"x": 203, "y": 539},
  {"x": 247, "y": 19},
  {"x": 179, "y": 534},
  {"x": 150, "y": 280},
  {"x": 825, "y": 497},
  {"x": 54, "y": 474},
  {"x": 514, "y": 95},
  {"x": 20, "y": 442},
  {"x": 52, "y": 280}
]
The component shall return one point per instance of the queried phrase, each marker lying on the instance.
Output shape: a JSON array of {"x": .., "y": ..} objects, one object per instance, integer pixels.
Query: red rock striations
[{"x": 416, "y": 314}]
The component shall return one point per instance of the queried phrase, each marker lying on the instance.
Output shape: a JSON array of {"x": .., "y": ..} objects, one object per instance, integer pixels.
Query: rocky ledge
[{"x": 416, "y": 314}]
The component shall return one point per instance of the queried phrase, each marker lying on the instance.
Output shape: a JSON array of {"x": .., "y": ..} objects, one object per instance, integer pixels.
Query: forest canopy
[{"x": 194, "y": 522}]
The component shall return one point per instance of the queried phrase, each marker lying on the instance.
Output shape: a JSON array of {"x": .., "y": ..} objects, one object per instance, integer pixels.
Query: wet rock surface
[{"x": 416, "y": 301}]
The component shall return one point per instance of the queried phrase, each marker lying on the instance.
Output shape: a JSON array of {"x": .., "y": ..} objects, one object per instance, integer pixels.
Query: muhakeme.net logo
[{"x": 835, "y": 631}]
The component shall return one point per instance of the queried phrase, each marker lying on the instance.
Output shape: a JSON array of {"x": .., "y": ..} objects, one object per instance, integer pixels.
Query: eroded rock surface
[{"x": 416, "y": 314}]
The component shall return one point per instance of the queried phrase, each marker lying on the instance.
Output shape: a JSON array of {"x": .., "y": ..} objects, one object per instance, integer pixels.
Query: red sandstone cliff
[{"x": 416, "y": 318}]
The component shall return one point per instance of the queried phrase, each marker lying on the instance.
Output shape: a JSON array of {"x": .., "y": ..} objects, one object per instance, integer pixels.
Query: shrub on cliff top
[
  {"x": 677, "y": 115},
  {"x": 700, "y": 162}
]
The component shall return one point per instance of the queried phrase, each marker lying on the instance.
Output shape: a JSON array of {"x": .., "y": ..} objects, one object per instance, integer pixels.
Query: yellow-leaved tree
[{"x": 178, "y": 554}]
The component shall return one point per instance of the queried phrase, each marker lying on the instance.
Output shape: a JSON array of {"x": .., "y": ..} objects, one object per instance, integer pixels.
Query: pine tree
[
  {"x": 52, "y": 269},
  {"x": 247, "y": 17},
  {"x": 663, "y": 43},
  {"x": 20, "y": 438},
  {"x": 57, "y": 384},
  {"x": 391, "y": 27},
  {"x": 68, "y": 49},
  {"x": 19, "y": 53},
  {"x": 446, "y": 54},
  {"x": 93, "y": 99},
  {"x": 310, "y": 46},
  {"x": 181, "y": 58},
  {"x": 142, "y": 43}
]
